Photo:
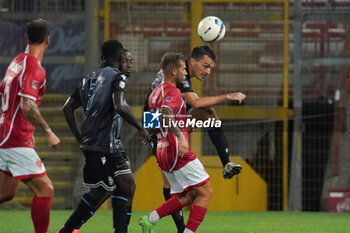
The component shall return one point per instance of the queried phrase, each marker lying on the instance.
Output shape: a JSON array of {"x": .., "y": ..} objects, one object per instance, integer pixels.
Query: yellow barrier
[{"x": 246, "y": 192}]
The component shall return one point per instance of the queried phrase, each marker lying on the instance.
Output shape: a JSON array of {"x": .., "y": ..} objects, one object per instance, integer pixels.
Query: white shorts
[
  {"x": 192, "y": 174},
  {"x": 21, "y": 163}
]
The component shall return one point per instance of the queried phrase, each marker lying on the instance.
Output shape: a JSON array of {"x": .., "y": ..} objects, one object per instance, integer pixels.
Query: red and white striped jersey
[{"x": 24, "y": 77}]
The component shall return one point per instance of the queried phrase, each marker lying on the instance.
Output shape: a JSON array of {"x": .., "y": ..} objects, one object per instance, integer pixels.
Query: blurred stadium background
[{"x": 291, "y": 59}]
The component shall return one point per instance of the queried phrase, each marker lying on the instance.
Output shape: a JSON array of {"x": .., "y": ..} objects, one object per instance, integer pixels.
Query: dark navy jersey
[
  {"x": 100, "y": 130},
  {"x": 185, "y": 86}
]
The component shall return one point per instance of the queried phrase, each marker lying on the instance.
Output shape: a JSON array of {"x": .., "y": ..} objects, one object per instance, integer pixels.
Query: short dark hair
[
  {"x": 111, "y": 50},
  {"x": 171, "y": 59},
  {"x": 37, "y": 30},
  {"x": 122, "y": 51},
  {"x": 199, "y": 51}
]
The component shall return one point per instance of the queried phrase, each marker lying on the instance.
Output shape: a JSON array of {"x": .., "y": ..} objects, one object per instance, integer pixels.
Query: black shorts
[{"x": 101, "y": 168}]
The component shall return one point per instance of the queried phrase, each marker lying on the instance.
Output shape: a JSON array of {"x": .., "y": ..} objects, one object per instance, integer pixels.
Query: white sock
[
  {"x": 153, "y": 217},
  {"x": 188, "y": 231}
]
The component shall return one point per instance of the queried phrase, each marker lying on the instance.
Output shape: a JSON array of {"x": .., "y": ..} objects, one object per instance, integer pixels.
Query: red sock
[
  {"x": 196, "y": 217},
  {"x": 168, "y": 207},
  {"x": 41, "y": 213}
]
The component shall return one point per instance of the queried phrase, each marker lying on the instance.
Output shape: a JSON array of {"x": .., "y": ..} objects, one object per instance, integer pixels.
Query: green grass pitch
[{"x": 19, "y": 221}]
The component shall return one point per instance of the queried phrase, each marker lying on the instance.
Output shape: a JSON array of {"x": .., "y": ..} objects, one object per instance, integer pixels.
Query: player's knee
[
  {"x": 99, "y": 194},
  {"x": 209, "y": 192},
  {"x": 49, "y": 190},
  {"x": 107, "y": 194},
  {"x": 205, "y": 192},
  {"x": 125, "y": 183},
  {"x": 133, "y": 187},
  {"x": 6, "y": 197}
]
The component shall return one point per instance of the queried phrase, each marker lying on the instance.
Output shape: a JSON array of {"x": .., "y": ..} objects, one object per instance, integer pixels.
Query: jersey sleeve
[
  {"x": 173, "y": 101},
  {"x": 31, "y": 83},
  {"x": 76, "y": 94},
  {"x": 186, "y": 85},
  {"x": 119, "y": 83}
]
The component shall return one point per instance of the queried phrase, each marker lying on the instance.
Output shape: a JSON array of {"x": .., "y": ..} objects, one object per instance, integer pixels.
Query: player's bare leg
[
  {"x": 197, "y": 197},
  {"x": 8, "y": 187},
  {"x": 178, "y": 215},
  {"x": 40, "y": 186},
  {"x": 219, "y": 140},
  {"x": 202, "y": 195},
  {"x": 43, "y": 191}
]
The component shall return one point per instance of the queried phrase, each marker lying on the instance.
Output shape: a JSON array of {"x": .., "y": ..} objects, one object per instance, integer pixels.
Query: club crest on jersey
[
  {"x": 39, "y": 163},
  {"x": 185, "y": 83},
  {"x": 35, "y": 84},
  {"x": 168, "y": 99},
  {"x": 122, "y": 84}
]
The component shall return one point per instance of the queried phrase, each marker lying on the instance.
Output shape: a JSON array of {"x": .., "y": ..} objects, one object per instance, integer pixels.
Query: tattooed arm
[{"x": 32, "y": 114}]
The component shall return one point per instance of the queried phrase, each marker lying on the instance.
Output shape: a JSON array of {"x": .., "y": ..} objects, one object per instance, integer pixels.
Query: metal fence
[{"x": 251, "y": 59}]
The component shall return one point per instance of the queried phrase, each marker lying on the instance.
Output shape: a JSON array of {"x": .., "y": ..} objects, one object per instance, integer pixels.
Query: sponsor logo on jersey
[
  {"x": 163, "y": 144},
  {"x": 151, "y": 119}
]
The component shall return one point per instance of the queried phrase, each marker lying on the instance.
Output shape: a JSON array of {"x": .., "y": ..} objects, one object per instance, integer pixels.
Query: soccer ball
[{"x": 211, "y": 29}]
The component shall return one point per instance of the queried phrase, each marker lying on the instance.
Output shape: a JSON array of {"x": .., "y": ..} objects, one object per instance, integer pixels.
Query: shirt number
[{"x": 6, "y": 95}]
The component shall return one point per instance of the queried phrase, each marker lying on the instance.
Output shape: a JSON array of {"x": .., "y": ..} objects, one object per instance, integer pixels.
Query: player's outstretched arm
[
  {"x": 123, "y": 109},
  {"x": 167, "y": 115},
  {"x": 69, "y": 112},
  {"x": 32, "y": 114},
  {"x": 203, "y": 102}
]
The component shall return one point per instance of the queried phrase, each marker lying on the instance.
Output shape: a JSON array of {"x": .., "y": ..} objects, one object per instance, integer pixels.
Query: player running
[
  {"x": 21, "y": 91},
  {"x": 101, "y": 94},
  {"x": 188, "y": 180}
]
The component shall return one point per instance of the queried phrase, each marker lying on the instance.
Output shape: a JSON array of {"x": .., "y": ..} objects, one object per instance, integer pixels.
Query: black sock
[
  {"x": 119, "y": 201},
  {"x": 83, "y": 212},
  {"x": 128, "y": 214},
  {"x": 219, "y": 140},
  {"x": 178, "y": 215}
]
